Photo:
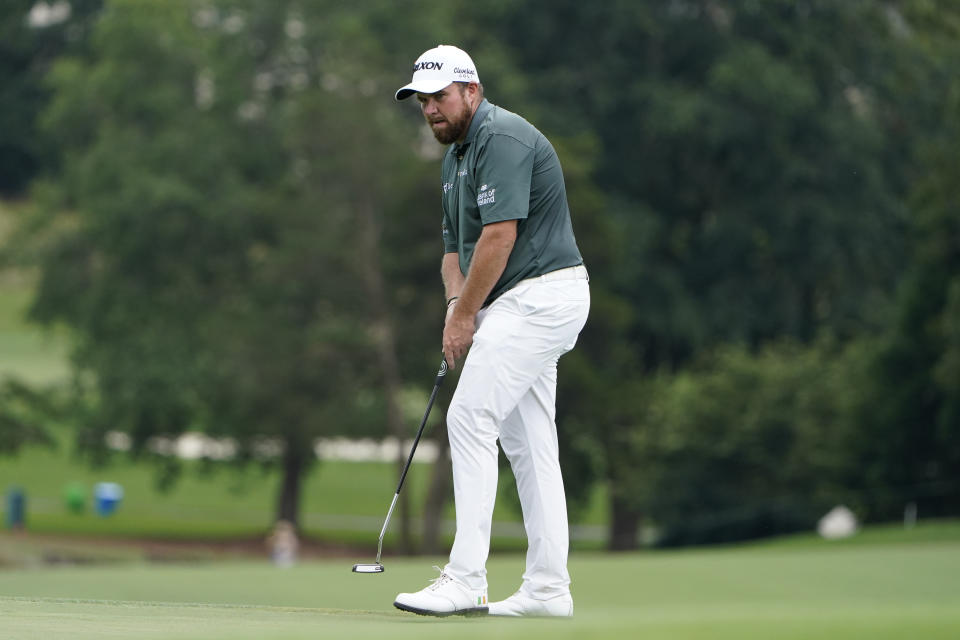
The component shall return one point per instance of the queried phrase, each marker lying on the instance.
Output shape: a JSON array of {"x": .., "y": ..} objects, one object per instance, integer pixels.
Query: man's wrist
[{"x": 451, "y": 300}]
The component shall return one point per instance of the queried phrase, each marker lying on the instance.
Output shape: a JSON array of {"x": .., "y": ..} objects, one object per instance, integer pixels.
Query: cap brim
[{"x": 422, "y": 86}]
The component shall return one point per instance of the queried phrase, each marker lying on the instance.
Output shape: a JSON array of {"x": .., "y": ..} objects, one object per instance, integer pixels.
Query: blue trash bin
[
  {"x": 107, "y": 497},
  {"x": 16, "y": 508}
]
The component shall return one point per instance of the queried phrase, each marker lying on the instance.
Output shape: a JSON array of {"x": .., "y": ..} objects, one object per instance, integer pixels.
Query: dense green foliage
[
  {"x": 26, "y": 54},
  {"x": 240, "y": 229},
  {"x": 755, "y": 161},
  {"x": 913, "y": 454}
]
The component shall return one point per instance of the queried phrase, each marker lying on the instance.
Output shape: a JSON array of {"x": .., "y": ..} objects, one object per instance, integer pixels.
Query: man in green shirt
[{"x": 517, "y": 297}]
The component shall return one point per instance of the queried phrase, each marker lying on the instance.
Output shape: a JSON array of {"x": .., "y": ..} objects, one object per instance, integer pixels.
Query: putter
[{"x": 377, "y": 567}]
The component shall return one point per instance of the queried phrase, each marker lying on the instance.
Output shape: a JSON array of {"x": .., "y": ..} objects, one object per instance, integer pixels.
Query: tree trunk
[
  {"x": 294, "y": 465},
  {"x": 624, "y": 526},
  {"x": 438, "y": 494},
  {"x": 383, "y": 335}
]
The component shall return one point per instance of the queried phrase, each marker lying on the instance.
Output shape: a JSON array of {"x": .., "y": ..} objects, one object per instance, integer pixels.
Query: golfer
[{"x": 517, "y": 297}]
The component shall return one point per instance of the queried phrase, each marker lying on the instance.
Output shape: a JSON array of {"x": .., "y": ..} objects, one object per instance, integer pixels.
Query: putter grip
[{"x": 441, "y": 373}]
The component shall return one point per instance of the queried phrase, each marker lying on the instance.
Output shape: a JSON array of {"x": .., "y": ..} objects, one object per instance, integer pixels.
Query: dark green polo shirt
[{"x": 507, "y": 170}]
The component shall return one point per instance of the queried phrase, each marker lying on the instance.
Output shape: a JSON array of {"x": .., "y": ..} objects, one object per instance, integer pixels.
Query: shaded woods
[{"x": 241, "y": 230}]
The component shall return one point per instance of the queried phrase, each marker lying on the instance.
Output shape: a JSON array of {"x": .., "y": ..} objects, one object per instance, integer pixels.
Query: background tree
[
  {"x": 744, "y": 445},
  {"x": 23, "y": 417},
  {"x": 32, "y": 37},
  {"x": 216, "y": 266},
  {"x": 242, "y": 235},
  {"x": 752, "y": 160},
  {"x": 907, "y": 449}
]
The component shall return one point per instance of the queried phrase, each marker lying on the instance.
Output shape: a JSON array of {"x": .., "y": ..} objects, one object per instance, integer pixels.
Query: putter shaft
[
  {"x": 426, "y": 414},
  {"x": 386, "y": 522}
]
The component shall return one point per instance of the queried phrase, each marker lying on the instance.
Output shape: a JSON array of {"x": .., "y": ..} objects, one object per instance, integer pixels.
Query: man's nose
[{"x": 429, "y": 106}]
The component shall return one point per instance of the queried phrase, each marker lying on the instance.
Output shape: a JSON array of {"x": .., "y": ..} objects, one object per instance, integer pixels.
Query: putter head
[{"x": 368, "y": 568}]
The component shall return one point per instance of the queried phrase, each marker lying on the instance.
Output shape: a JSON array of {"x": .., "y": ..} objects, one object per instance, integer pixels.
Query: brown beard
[{"x": 456, "y": 128}]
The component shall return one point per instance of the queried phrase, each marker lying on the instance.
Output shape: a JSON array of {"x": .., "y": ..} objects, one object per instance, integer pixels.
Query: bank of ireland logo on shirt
[{"x": 486, "y": 195}]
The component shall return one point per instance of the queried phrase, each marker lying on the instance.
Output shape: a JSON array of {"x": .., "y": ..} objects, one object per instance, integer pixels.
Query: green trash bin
[{"x": 75, "y": 498}]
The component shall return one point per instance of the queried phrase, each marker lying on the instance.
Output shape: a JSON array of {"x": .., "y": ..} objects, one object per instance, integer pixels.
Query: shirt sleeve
[
  {"x": 448, "y": 229},
  {"x": 503, "y": 174},
  {"x": 448, "y": 235}
]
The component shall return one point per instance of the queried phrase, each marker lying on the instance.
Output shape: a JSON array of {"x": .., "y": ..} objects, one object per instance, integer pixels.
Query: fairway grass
[{"x": 877, "y": 591}]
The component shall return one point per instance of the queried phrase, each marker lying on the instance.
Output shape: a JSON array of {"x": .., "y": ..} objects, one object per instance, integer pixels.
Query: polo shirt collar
[{"x": 478, "y": 116}]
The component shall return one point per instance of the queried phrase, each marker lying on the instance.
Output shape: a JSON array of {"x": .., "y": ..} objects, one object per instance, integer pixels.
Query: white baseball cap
[{"x": 437, "y": 68}]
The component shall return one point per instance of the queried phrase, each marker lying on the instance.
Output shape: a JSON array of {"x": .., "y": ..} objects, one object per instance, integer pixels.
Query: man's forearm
[
  {"x": 490, "y": 257},
  {"x": 453, "y": 278}
]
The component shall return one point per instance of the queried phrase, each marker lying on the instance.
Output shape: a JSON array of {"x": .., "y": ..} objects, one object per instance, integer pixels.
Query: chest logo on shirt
[
  {"x": 447, "y": 186},
  {"x": 486, "y": 196}
]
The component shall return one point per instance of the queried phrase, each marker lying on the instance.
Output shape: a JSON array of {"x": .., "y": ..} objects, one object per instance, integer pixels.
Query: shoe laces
[{"x": 439, "y": 581}]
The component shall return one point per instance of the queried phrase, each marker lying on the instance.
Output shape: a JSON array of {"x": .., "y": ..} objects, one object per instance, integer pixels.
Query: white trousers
[{"x": 507, "y": 390}]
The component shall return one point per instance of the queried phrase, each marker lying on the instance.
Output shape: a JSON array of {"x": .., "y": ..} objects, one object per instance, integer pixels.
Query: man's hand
[
  {"x": 490, "y": 256},
  {"x": 457, "y": 335}
]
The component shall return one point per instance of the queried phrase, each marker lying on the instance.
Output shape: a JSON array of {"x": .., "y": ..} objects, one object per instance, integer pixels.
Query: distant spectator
[{"x": 283, "y": 544}]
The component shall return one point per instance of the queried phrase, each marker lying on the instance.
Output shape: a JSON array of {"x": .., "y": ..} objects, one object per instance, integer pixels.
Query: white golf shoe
[
  {"x": 520, "y": 605},
  {"x": 445, "y": 597}
]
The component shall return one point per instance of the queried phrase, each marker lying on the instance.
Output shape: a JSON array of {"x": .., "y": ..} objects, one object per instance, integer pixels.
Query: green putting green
[{"x": 818, "y": 590}]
